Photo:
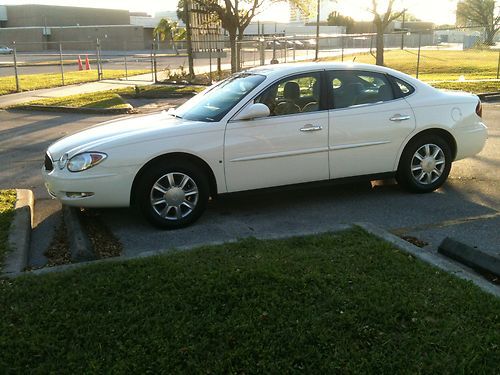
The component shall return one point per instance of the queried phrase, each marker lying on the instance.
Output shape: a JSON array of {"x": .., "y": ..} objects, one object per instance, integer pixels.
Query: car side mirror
[{"x": 256, "y": 110}]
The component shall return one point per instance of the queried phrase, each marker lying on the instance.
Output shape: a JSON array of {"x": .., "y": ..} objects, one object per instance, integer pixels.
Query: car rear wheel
[
  {"x": 173, "y": 196},
  {"x": 425, "y": 164}
]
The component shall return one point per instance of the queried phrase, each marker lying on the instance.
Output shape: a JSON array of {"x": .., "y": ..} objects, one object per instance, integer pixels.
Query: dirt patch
[{"x": 103, "y": 241}]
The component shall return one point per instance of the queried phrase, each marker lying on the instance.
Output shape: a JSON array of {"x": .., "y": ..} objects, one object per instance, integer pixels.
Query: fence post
[
  {"x": 98, "y": 57},
  {"x": 262, "y": 51},
  {"x": 152, "y": 64},
  {"x": 154, "y": 61},
  {"x": 18, "y": 88},
  {"x": 126, "y": 68},
  {"x": 498, "y": 65},
  {"x": 125, "y": 49},
  {"x": 418, "y": 58},
  {"x": 286, "y": 48},
  {"x": 61, "y": 62},
  {"x": 210, "y": 58},
  {"x": 342, "y": 46}
]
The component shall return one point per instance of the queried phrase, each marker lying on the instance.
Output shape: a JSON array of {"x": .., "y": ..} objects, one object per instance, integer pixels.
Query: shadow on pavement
[{"x": 294, "y": 211}]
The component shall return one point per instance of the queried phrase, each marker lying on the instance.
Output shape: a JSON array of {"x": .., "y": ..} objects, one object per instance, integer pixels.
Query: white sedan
[
  {"x": 269, "y": 126},
  {"x": 4, "y": 50}
]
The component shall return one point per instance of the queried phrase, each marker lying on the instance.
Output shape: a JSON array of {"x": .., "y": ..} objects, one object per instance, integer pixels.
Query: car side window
[
  {"x": 404, "y": 88},
  {"x": 293, "y": 95},
  {"x": 351, "y": 88}
]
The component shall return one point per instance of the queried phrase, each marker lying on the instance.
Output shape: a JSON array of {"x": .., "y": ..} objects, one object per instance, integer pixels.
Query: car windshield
[{"x": 213, "y": 103}]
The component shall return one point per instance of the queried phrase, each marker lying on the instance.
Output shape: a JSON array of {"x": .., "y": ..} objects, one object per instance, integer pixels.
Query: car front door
[
  {"x": 289, "y": 146},
  {"x": 369, "y": 122}
]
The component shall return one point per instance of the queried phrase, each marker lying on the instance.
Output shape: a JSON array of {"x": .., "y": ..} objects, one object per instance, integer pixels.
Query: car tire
[
  {"x": 172, "y": 195},
  {"x": 425, "y": 164}
]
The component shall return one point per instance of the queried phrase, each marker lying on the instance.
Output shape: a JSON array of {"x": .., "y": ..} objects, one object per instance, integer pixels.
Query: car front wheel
[
  {"x": 172, "y": 197},
  {"x": 425, "y": 164}
]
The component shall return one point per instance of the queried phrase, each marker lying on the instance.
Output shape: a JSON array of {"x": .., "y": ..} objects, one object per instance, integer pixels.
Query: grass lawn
[
  {"x": 438, "y": 65},
  {"x": 331, "y": 303},
  {"x": 101, "y": 99},
  {"x": 7, "y": 203},
  {"x": 160, "y": 91},
  {"x": 47, "y": 80},
  {"x": 113, "y": 99},
  {"x": 474, "y": 87}
]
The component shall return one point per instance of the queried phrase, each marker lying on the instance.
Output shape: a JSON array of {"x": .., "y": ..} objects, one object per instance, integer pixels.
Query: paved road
[
  {"x": 142, "y": 60},
  {"x": 467, "y": 206}
]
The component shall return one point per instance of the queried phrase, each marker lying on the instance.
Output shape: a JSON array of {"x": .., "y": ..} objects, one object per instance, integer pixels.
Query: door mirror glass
[{"x": 256, "y": 110}]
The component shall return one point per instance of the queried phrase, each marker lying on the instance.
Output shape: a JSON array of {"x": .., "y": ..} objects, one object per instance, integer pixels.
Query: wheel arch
[
  {"x": 446, "y": 135},
  {"x": 172, "y": 157}
]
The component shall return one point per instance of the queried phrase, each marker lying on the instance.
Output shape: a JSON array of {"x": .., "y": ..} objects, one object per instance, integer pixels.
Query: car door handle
[
  {"x": 311, "y": 128},
  {"x": 399, "y": 118}
]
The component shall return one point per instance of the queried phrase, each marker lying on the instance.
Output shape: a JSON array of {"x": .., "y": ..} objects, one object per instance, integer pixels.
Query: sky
[{"x": 437, "y": 11}]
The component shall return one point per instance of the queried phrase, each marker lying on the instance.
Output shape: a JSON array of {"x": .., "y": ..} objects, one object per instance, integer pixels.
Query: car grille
[{"x": 48, "y": 162}]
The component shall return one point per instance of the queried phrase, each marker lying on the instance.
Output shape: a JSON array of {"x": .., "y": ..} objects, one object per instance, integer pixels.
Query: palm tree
[{"x": 169, "y": 31}]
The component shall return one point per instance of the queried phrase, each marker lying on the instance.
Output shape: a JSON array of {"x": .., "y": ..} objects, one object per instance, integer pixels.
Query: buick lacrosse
[{"x": 269, "y": 126}]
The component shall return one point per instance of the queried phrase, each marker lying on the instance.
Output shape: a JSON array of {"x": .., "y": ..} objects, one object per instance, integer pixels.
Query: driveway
[{"x": 467, "y": 206}]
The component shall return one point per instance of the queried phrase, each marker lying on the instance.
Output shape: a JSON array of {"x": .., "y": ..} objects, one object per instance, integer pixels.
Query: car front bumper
[{"x": 91, "y": 188}]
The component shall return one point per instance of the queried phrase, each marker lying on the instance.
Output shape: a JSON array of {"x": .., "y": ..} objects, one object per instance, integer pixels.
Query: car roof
[
  {"x": 280, "y": 70},
  {"x": 306, "y": 66}
]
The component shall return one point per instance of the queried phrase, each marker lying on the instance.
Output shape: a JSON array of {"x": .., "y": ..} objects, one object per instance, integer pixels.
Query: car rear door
[{"x": 368, "y": 123}]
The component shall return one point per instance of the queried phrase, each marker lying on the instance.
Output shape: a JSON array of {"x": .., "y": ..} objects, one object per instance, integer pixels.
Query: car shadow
[{"x": 293, "y": 211}]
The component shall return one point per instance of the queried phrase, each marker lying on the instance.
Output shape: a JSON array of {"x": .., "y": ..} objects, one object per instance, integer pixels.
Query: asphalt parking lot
[{"x": 467, "y": 207}]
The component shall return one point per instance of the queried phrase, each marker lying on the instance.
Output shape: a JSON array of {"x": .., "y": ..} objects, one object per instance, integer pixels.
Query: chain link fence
[
  {"x": 166, "y": 60},
  {"x": 347, "y": 47}
]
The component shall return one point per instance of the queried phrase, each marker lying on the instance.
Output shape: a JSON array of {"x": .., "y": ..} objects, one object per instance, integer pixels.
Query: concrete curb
[
  {"x": 79, "y": 243},
  {"x": 489, "y": 96},
  {"x": 433, "y": 259},
  {"x": 99, "y": 111},
  {"x": 470, "y": 256},
  {"x": 16, "y": 259},
  {"x": 146, "y": 254}
]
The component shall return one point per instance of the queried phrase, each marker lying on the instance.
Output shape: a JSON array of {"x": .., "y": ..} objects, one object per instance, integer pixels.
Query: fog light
[{"x": 73, "y": 194}]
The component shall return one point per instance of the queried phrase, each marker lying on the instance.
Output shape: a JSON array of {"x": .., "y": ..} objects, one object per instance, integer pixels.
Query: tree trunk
[
  {"x": 490, "y": 35},
  {"x": 188, "y": 40},
  {"x": 380, "y": 46},
  {"x": 232, "y": 43}
]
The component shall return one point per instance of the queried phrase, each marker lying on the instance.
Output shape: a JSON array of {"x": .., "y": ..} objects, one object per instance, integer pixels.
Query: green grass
[
  {"x": 333, "y": 303},
  {"x": 7, "y": 203},
  {"x": 48, "y": 80},
  {"x": 160, "y": 91},
  {"x": 101, "y": 99},
  {"x": 438, "y": 65},
  {"x": 113, "y": 99},
  {"x": 474, "y": 87}
]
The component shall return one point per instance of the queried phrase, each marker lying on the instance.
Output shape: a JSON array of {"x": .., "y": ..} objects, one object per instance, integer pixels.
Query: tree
[
  {"x": 381, "y": 22},
  {"x": 480, "y": 13},
  {"x": 235, "y": 16},
  {"x": 337, "y": 19},
  {"x": 170, "y": 31}
]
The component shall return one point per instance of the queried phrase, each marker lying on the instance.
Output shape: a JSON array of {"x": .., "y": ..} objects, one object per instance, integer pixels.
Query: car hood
[{"x": 120, "y": 132}]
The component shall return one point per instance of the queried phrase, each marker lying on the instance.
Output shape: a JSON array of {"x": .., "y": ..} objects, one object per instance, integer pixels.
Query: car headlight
[{"x": 85, "y": 161}]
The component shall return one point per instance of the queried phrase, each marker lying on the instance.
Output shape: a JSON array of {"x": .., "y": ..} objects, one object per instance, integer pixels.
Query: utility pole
[{"x": 317, "y": 32}]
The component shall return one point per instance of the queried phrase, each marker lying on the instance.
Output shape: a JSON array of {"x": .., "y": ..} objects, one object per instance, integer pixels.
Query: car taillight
[{"x": 479, "y": 109}]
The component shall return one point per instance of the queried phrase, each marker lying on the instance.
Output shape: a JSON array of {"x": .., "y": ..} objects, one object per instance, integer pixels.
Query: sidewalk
[{"x": 80, "y": 88}]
